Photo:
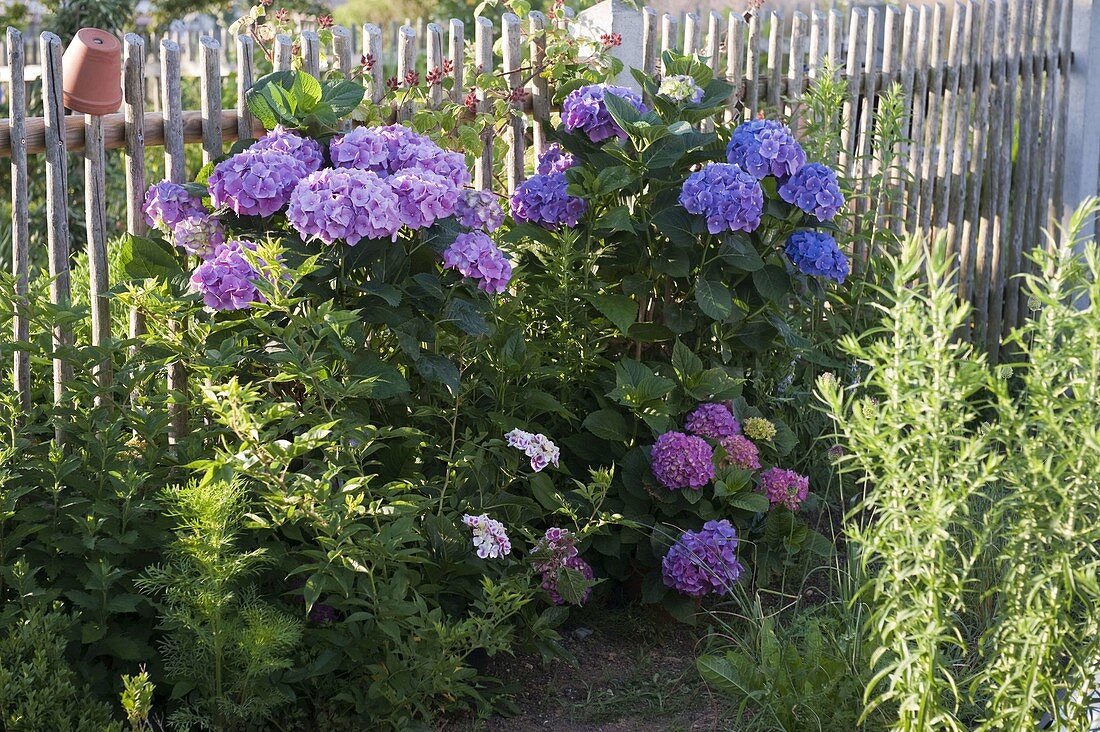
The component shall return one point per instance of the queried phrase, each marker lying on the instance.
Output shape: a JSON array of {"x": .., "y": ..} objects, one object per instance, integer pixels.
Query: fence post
[
  {"x": 1083, "y": 119},
  {"x": 615, "y": 16}
]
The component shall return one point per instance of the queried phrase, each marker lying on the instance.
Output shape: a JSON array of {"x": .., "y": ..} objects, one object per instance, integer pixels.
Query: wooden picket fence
[{"x": 984, "y": 87}]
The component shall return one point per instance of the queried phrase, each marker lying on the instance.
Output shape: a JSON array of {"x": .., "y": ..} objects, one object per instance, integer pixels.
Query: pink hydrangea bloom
[
  {"x": 539, "y": 448},
  {"x": 168, "y": 203},
  {"x": 255, "y": 182},
  {"x": 682, "y": 461},
  {"x": 198, "y": 235},
  {"x": 715, "y": 421},
  {"x": 423, "y": 197},
  {"x": 307, "y": 150},
  {"x": 475, "y": 256},
  {"x": 344, "y": 204},
  {"x": 784, "y": 487},
  {"x": 227, "y": 280},
  {"x": 742, "y": 452}
]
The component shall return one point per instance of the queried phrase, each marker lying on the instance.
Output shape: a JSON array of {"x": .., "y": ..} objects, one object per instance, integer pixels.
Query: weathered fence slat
[
  {"x": 483, "y": 57},
  {"x": 649, "y": 40},
  {"x": 20, "y": 236},
  {"x": 513, "y": 76},
  {"x": 406, "y": 71},
  {"x": 433, "y": 51},
  {"x": 930, "y": 159},
  {"x": 752, "y": 68},
  {"x": 735, "y": 63},
  {"x": 372, "y": 50},
  {"x": 796, "y": 67},
  {"x": 211, "y": 91},
  {"x": 775, "y": 59},
  {"x": 539, "y": 87},
  {"x": 857, "y": 33}
]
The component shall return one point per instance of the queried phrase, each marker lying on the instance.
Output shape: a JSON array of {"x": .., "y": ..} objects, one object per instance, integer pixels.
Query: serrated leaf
[
  {"x": 772, "y": 282},
  {"x": 143, "y": 258},
  {"x": 468, "y": 317},
  {"x": 686, "y": 363},
  {"x": 607, "y": 424},
  {"x": 749, "y": 501},
  {"x": 440, "y": 369},
  {"x": 621, "y": 310},
  {"x": 737, "y": 250},
  {"x": 713, "y": 298}
]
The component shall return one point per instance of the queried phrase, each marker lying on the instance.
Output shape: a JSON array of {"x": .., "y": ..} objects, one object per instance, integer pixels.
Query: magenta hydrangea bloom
[
  {"x": 168, "y": 203},
  {"x": 255, "y": 182},
  {"x": 479, "y": 210},
  {"x": 741, "y": 452},
  {"x": 715, "y": 421},
  {"x": 474, "y": 255},
  {"x": 784, "y": 487},
  {"x": 423, "y": 197},
  {"x": 764, "y": 147},
  {"x": 544, "y": 200},
  {"x": 490, "y": 539},
  {"x": 344, "y": 204},
  {"x": 816, "y": 253},
  {"x": 682, "y": 461},
  {"x": 199, "y": 236},
  {"x": 550, "y": 579},
  {"x": 815, "y": 190},
  {"x": 584, "y": 110},
  {"x": 554, "y": 160},
  {"x": 553, "y": 550},
  {"x": 729, "y": 198},
  {"x": 703, "y": 562},
  {"x": 227, "y": 280},
  {"x": 304, "y": 149}
]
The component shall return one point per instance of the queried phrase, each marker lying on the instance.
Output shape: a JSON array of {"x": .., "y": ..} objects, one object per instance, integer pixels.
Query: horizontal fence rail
[{"x": 983, "y": 88}]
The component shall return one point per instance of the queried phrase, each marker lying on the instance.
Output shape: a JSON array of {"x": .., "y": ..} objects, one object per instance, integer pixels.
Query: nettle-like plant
[{"x": 687, "y": 253}]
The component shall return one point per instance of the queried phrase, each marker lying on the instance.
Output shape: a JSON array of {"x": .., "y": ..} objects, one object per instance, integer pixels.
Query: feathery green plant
[{"x": 978, "y": 531}]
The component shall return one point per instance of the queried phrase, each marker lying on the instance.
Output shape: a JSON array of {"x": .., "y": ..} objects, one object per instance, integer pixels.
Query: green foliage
[
  {"x": 137, "y": 700},
  {"x": 38, "y": 690},
  {"x": 977, "y": 531},
  {"x": 297, "y": 100}
]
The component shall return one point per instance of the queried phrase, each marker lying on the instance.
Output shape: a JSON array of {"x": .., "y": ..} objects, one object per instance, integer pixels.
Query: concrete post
[{"x": 615, "y": 16}]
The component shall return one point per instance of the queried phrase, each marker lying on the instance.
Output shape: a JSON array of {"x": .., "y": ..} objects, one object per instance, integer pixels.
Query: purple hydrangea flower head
[
  {"x": 540, "y": 448},
  {"x": 741, "y": 452},
  {"x": 168, "y": 203},
  {"x": 474, "y": 255},
  {"x": 584, "y": 110},
  {"x": 255, "y": 182},
  {"x": 305, "y": 149},
  {"x": 365, "y": 148},
  {"x": 682, "y": 461},
  {"x": 815, "y": 190},
  {"x": 784, "y": 487},
  {"x": 715, "y": 421},
  {"x": 553, "y": 550},
  {"x": 323, "y": 614},
  {"x": 479, "y": 210},
  {"x": 729, "y": 198},
  {"x": 555, "y": 160},
  {"x": 816, "y": 253},
  {"x": 703, "y": 562},
  {"x": 550, "y": 579},
  {"x": 423, "y": 197},
  {"x": 544, "y": 200},
  {"x": 765, "y": 147},
  {"x": 446, "y": 163},
  {"x": 680, "y": 88},
  {"x": 490, "y": 538},
  {"x": 344, "y": 204},
  {"x": 198, "y": 235},
  {"x": 227, "y": 280}
]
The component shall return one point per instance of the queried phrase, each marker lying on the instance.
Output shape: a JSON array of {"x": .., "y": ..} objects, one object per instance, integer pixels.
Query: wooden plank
[
  {"x": 211, "y": 91},
  {"x": 818, "y": 44},
  {"x": 433, "y": 48},
  {"x": 961, "y": 23},
  {"x": 372, "y": 49},
  {"x": 959, "y": 181},
  {"x": 311, "y": 54},
  {"x": 691, "y": 34},
  {"x": 512, "y": 54},
  {"x": 833, "y": 50},
  {"x": 714, "y": 41},
  {"x": 917, "y": 128},
  {"x": 57, "y": 209},
  {"x": 735, "y": 64},
  {"x": 406, "y": 71},
  {"x": 864, "y": 151},
  {"x": 1036, "y": 211},
  {"x": 95, "y": 220},
  {"x": 1061, "y": 120},
  {"x": 668, "y": 37},
  {"x": 775, "y": 60},
  {"x": 483, "y": 58},
  {"x": 888, "y": 76},
  {"x": 854, "y": 72},
  {"x": 796, "y": 67},
  {"x": 752, "y": 67},
  {"x": 171, "y": 127},
  {"x": 245, "y": 71},
  {"x": 20, "y": 225},
  {"x": 649, "y": 40},
  {"x": 539, "y": 87},
  {"x": 284, "y": 50},
  {"x": 456, "y": 48},
  {"x": 1052, "y": 162},
  {"x": 933, "y": 112},
  {"x": 342, "y": 45},
  {"x": 1025, "y": 142}
]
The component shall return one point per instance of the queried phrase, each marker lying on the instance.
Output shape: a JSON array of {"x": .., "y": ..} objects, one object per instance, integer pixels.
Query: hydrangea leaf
[
  {"x": 607, "y": 424},
  {"x": 619, "y": 309},
  {"x": 713, "y": 298},
  {"x": 144, "y": 258}
]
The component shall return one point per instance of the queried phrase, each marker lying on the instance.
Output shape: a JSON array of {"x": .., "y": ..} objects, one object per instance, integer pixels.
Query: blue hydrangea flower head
[
  {"x": 729, "y": 198},
  {"x": 544, "y": 200},
  {"x": 703, "y": 562},
  {"x": 765, "y": 147},
  {"x": 816, "y": 253},
  {"x": 479, "y": 210},
  {"x": 584, "y": 110},
  {"x": 815, "y": 190},
  {"x": 555, "y": 160},
  {"x": 682, "y": 461},
  {"x": 168, "y": 203}
]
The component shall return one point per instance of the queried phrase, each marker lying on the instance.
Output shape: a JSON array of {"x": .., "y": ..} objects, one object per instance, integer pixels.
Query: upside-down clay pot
[{"x": 92, "y": 72}]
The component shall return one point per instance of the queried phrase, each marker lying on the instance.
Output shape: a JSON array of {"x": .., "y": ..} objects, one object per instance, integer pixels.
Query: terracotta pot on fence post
[{"x": 92, "y": 72}]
